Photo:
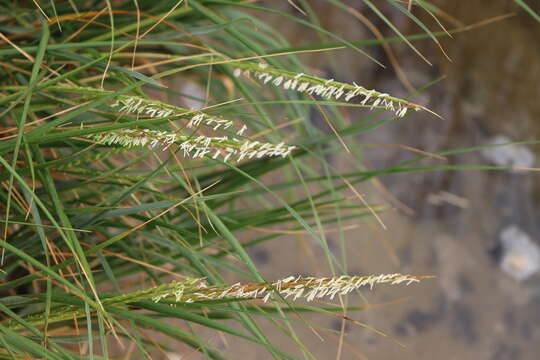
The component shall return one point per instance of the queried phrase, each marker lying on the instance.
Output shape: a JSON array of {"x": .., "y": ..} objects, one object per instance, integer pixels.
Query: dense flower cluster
[
  {"x": 194, "y": 146},
  {"x": 309, "y": 288},
  {"x": 191, "y": 290},
  {"x": 140, "y": 106},
  {"x": 328, "y": 89}
]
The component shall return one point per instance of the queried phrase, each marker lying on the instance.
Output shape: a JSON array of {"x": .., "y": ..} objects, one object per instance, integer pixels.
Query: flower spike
[
  {"x": 198, "y": 146},
  {"x": 327, "y": 89}
]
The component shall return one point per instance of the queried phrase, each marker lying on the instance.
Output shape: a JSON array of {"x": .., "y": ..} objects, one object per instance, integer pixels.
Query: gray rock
[
  {"x": 520, "y": 256},
  {"x": 508, "y": 155}
]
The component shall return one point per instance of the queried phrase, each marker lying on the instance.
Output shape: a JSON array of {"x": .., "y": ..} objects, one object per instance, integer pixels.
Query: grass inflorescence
[{"x": 118, "y": 196}]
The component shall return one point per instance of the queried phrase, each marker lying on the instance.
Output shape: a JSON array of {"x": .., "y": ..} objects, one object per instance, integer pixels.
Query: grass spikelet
[
  {"x": 324, "y": 88},
  {"x": 193, "y": 146},
  {"x": 147, "y": 108},
  {"x": 196, "y": 290},
  {"x": 308, "y": 288}
]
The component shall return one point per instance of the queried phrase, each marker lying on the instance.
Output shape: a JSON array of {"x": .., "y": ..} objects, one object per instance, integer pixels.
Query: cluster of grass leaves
[{"x": 83, "y": 222}]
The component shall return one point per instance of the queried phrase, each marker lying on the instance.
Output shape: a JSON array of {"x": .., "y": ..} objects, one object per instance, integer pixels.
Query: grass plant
[{"x": 123, "y": 208}]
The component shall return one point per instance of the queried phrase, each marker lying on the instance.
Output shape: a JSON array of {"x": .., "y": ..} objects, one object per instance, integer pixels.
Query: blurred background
[{"x": 476, "y": 231}]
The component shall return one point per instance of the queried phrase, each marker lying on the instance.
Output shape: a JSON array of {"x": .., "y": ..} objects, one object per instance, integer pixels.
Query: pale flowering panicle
[
  {"x": 327, "y": 89},
  {"x": 140, "y": 106},
  {"x": 147, "y": 108},
  {"x": 193, "y": 290},
  {"x": 308, "y": 288},
  {"x": 137, "y": 138},
  {"x": 198, "y": 146}
]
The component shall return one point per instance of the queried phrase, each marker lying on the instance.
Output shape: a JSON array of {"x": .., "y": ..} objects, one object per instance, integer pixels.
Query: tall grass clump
[{"x": 143, "y": 147}]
